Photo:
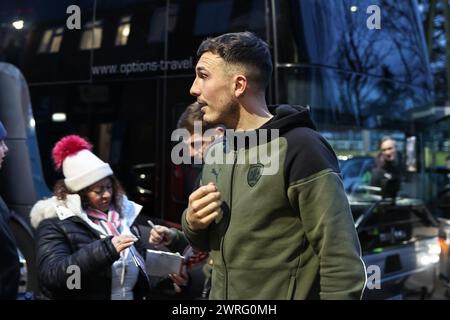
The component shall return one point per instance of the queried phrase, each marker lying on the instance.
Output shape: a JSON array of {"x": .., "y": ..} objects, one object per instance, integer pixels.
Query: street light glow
[
  {"x": 59, "y": 117},
  {"x": 18, "y": 24}
]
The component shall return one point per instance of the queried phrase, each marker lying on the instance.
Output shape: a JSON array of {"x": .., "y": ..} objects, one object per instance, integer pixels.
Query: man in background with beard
[{"x": 387, "y": 173}]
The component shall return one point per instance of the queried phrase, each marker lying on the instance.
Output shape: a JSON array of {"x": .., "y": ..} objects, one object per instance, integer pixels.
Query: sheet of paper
[{"x": 161, "y": 263}]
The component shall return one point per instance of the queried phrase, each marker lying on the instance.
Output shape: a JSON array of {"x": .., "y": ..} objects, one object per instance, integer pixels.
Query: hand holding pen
[{"x": 160, "y": 235}]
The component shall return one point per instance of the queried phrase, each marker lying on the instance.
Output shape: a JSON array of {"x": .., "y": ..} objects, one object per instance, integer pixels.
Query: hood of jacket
[
  {"x": 287, "y": 117},
  {"x": 64, "y": 209}
]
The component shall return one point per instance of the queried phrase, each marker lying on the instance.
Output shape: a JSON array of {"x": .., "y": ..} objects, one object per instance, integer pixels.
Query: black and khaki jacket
[{"x": 284, "y": 235}]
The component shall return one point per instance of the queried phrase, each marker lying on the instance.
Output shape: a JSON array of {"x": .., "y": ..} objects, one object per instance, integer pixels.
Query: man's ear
[
  {"x": 240, "y": 85},
  {"x": 219, "y": 131}
]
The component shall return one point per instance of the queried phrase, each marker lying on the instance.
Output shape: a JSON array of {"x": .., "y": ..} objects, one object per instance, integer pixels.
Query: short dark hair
[
  {"x": 193, "y": 113},
  {"x": 242, "y": 48}
]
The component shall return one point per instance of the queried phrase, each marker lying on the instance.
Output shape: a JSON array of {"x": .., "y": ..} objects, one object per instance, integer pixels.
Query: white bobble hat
[{"x": 81, "y": 168}]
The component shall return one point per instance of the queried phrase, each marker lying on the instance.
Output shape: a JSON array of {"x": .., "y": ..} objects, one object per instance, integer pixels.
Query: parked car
[
  {"x": 400, "y": 246},
  {"x": 399, "y": 237},
  {"x": 356, "y": 172}
]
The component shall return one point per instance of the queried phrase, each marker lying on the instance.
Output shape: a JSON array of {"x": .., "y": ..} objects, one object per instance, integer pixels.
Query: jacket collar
[{"x": 71, "y": 207}]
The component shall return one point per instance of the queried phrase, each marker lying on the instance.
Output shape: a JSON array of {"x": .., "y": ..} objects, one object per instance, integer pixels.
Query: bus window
[
  {"x": 348, "y": 99},
  {"x": 200, "y": 19},
  {"x": 51, "y": 40},
  {"x": 123, "y": 31},
  {"x": 212, "y": 17},
  {"x": 138, "y": 50},
  {"x": 121, "y": 125},
  {"x": 92, "y": 36},
  {"x": 333, "y": 35},
  {"x": 43, "y": 47},
  {"x": 157, "y": 31}
]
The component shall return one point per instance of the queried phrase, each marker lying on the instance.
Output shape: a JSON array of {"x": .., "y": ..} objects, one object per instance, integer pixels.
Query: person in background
[
  {"x": 387, "y": 174},
  {"x": 9, "y": 259},
  {"x": 86, "y": 248},
  {"x": 198, "y": 142},
  {"x": 174, "y": 239}
]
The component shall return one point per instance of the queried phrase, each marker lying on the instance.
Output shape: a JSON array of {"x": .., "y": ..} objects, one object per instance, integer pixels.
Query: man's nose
[{"x": 194, "y": 91}]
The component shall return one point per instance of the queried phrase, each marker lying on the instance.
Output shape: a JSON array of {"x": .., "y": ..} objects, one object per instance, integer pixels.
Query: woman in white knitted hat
[{"x": 86, "y": 248}]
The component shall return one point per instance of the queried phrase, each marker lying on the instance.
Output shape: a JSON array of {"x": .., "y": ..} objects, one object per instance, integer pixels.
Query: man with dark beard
[{"x": 278, "y": 227}]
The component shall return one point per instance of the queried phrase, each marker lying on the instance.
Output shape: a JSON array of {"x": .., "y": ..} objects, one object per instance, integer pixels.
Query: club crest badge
[{"x": 254, "y": 173}]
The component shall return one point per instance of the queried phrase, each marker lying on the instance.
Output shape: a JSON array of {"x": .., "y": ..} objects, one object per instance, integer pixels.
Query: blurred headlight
[
  {"x": 431, "y": 256},
  {"x": 434, "y": 249}
]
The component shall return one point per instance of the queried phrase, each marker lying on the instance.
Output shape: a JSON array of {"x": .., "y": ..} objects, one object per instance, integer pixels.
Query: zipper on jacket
[{"x": 229, "y": 221}]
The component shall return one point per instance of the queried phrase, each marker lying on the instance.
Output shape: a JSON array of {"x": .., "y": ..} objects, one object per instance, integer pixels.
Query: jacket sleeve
[
  {"x": 198, "y": 239},
  {"x": 9, "y": 260},
  {"x": 326, "y": 216},
  {"x": 377, "y": 176},
  {"x": 179, "y": 243},
  {"x": 55, "y": 255}
]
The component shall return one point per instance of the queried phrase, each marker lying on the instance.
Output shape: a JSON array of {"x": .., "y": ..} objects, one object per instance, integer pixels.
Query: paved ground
[{"x": 439, "y": 293}]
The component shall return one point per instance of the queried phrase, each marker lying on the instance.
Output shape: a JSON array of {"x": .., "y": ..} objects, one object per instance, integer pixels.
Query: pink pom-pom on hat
[
  {"x": 67, "y": 146},
  {"x": 81, "y": 168}
]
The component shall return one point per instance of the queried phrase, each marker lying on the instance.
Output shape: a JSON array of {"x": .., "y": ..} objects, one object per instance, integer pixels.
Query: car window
[
  {"x": 352, "y": 169},
  {"x": 356, "y": 172}
]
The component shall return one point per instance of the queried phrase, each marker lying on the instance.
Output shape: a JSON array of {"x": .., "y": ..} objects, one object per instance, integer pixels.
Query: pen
[{"x": 151, "y": 224}]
